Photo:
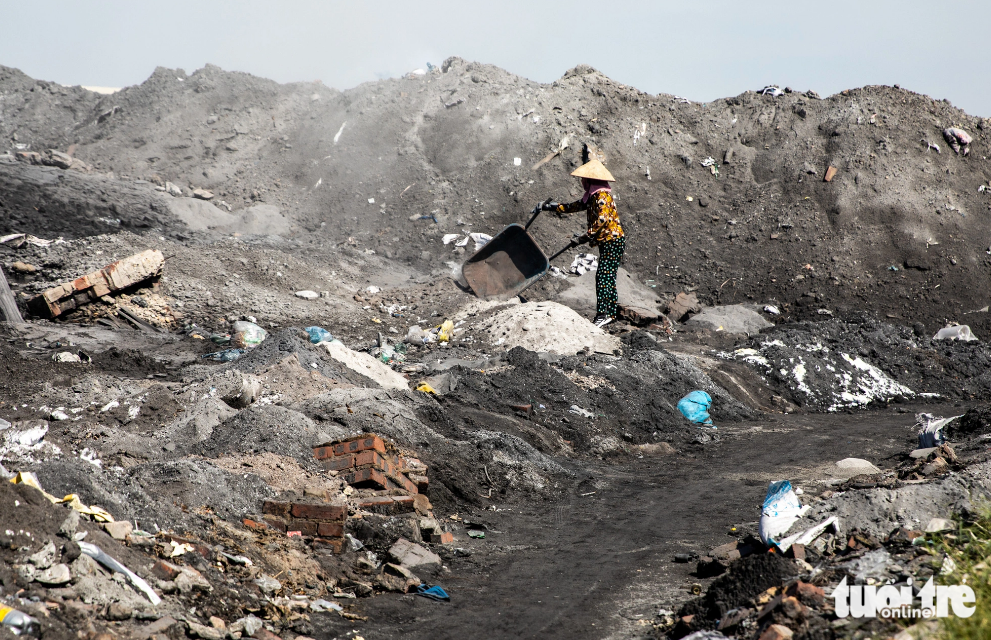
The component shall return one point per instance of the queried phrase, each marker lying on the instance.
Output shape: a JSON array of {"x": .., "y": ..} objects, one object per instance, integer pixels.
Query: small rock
[
  {"x": 66, "y": 356},
  {"x": 217, "y": 623},
  {"x": 777, "y": 632},
  {"x": 849, "y": 467},
  {"x": 45, "y": 557},
  {"x": 656, "y": 449},
  {"x": 23, "y": 267},
  {"x": 59, "y": 415},
  {"x": 26, "y": 571},
  {"x": 307, "y": 294},
  {"x": 268, "y": 584},
  {"x": 414, "y": 556},
  {"x": 56, "y": 575},
  {"x": 69, "y": 525},
  {"x": 118, "y": 530},
  {"x": 940, "y": 524},
  {"x": 246, "y": 626},
  {"x": 118, "y": 611},
  {"x": 190, "y": 580},
  {"x": 205, "y": 632},
  {"x": 202, "y": 194}
]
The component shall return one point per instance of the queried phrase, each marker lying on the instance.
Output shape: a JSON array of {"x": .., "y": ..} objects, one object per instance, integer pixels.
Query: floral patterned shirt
[{"x": 603, "y": 219}]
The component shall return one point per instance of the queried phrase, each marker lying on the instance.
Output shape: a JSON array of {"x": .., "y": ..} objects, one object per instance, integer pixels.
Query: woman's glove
[{"x": 550, "y": 206}]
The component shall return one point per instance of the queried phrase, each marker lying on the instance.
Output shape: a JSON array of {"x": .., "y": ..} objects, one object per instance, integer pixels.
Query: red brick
[
  {"x": 254, "y": 524},
  {"x": 339, "y": 463},
  {"x": 367, "y": 477},
  {"x": 377, "y": 504},
  {"x": 402, "y": 482},
  {"x": 388, "y": 505},
  {"x": 421, "y": 482},
  {"x": 265, "y": 634},
  {"x": 276, "y": 523},
  {"x": 273, "y": 508},
  {"x": 360, "y": 444},
  {"x": 321, "y": 453},
  {"x": 830, "y": 173},
  {"x": 165, "y": 570},
  {"x": 330, "y": 529},
  {"x": 307, "y": 527},
  {"x": 444, "y": 537},
  {"x": 319, "y": 511}
]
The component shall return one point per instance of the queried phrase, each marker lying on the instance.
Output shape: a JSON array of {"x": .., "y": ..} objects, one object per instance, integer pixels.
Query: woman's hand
[{"x": 547, "y": 205}]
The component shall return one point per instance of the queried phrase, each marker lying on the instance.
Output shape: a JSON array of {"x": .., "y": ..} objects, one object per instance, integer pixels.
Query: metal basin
[{"x": 507, "y": 265}]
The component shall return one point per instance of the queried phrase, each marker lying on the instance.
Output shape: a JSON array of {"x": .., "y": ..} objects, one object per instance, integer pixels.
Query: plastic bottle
[{"x": 19, "y": 622}]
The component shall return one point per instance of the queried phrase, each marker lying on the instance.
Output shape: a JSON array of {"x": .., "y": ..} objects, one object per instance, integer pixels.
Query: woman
[{"x": 604, "y": 231}]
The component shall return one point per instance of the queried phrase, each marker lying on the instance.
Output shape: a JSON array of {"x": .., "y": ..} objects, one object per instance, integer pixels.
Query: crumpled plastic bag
[
  {"x": 931, "y": 429},
  {"x": 247, "y": 335},
  {"x": 318, "y": 334},
  {"x": 781, "y": 510},
  {"x": 695, "y": 407}
]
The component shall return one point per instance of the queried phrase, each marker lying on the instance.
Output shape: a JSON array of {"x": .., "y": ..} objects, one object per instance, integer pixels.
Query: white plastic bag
[{"x": 781, "y": 510}]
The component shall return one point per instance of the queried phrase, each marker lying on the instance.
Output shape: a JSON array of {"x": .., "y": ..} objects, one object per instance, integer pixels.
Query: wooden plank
[{"x": 8, "y": 306}]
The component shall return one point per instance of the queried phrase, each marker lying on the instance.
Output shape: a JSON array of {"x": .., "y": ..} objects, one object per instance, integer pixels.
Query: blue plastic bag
[
  {"x": 695, "y": 407},
  {"x": 433, "y": 592},
  {"x": 318, "y": 334}
]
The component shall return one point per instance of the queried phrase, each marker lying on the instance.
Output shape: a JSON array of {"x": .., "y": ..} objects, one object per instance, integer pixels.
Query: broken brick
[
  {"x": 113, "y": 277},
  {"x": 335, "y": 544},
  {"x": 165, "y": 570},
  {"x": 276, "y": 523},
  {"x": 807, "y": 593},
  {"x": 830, "y": 174},
  {"x": 443, "y": 537},
  {"x": 777, "y": 632},
  {"x": 280, "y": 509},
  {"x": 319, "y": 511},
  {"x": 421, "y": 481},
  {"x": 254, "y": 524},
  {"x": 330, "y": 529}
]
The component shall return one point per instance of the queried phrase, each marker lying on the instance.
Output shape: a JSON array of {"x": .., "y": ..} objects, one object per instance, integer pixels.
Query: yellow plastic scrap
[
  {"x": 31, "y": 480},
  {"x": 99, "y": 514},
  {"x": 444, "y": 335},
  {"x": 426, "y": 388}
]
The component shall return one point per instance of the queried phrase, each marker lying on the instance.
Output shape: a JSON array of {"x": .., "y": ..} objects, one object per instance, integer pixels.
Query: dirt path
[{"x": 593, "y": 566}]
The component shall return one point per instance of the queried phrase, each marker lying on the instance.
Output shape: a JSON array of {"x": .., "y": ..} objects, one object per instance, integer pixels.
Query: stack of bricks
[
  {"x": 323, "y": 522},
  {"x": 370, "y": 462}
]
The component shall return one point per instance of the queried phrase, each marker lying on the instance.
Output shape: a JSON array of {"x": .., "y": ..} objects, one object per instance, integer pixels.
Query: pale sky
[{"x": 701, "y": 50}]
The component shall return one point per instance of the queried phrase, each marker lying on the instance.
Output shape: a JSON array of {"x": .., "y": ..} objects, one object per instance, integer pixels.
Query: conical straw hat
[{"x": 595, "y": 170}]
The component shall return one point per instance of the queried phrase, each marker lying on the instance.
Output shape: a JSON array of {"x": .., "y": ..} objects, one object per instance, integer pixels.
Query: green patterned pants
[{"x": 610, "y": 254}]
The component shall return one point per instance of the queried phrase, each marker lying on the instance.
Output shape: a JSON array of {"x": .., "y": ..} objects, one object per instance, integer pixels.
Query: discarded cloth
[
  {"x": 695, "y": 407},
  {"x": 781, "y": 509},
  {"x": 433, "y": 592}
]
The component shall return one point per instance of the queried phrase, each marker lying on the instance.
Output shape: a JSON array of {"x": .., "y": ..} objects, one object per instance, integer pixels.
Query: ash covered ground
[{"x": 565, "y": 447}]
